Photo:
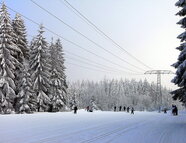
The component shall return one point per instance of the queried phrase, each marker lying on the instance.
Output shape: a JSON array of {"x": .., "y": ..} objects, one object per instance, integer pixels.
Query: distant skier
[
  {"x": 128, "y": 109},
  {"x": 132, "y": 110},
  {"x": 174, "y": 110},
  {"x": 124, "y": 108},
  {"x": 120, "y": 107},
  {"x": 165, "y": 110},
  {"x": 87, "y": 108},
  {"x": 75, "y": 109},
  {"x": 90, "y": 109},
  {"x": 114, "y": 108}
]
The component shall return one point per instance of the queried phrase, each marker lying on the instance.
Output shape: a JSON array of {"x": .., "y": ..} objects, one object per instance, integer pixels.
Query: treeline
[
  {"x": 106, "y": 94},
  {"x": 32, "y": 75}
]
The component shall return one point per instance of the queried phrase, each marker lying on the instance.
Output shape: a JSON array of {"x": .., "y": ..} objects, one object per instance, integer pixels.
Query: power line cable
[
  {"x": 108, "y": 67},
  {"x": 79, "y": 14},
  {"x": 85, "y": 67},
  {"x": 93, "y": 69},
  {"x": 71, "y": 42},
  {"x": 84, "y": 35},
  {"x": 99, "y": 66}
]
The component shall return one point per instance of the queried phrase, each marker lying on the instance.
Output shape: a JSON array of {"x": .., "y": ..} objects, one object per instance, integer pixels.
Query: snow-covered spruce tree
[
  {"x": 58, "y": 78},
  {"x": 40, "y": 70},
  {"x": 26, "y": 99},
  {"x": 7, "y": 62},
  {"x": 22, "y": 56},
  {"x": 180, "y": 65},
  {"x": 20, "y": 39}
]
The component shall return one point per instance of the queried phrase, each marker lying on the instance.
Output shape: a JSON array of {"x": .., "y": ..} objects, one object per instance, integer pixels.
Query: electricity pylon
[{"x": 159, "y": 93}]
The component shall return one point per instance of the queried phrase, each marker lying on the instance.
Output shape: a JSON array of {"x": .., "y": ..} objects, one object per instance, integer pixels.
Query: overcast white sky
[{"x": 145, "y": 28}]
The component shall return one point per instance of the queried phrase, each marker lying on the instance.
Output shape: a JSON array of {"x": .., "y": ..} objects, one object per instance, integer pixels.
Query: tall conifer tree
[
  {"x": 180, "y": 65},
  {"x": 58, "y": 77},
  {"x": 40, "y": 70},
  {"x": 7, "y": 62}
]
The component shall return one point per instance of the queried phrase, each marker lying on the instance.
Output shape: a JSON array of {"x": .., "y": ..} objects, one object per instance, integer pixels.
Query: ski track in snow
[{"x": 96, "y": 127}]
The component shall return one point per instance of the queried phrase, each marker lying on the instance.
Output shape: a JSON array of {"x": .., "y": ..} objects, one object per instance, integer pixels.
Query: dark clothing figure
[
  {"x": 50, "y": 109},
  {"x": 120, "y": 108},
  {"x": 174, "y": 110},
  {"x": 87, "y": 108},
  {"x": 124, "y": 108},
  {"x": 75, "y": 109},
  {"x": 114, "y": 108},
  {"x": 132, "y": 110},
  {"x": 128, "y": 109},
  {"x": 165, "y": 110}
]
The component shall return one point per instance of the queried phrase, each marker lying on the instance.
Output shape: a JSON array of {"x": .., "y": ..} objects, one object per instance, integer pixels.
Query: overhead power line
[
  {"x": 79, "y": 14},
  {"x": 108, "y": 67},
  {"x": 75, "y": 30},
  {"x": 94, "y": 69},
  {"x": 88, "y": 68},
  {"x": 99, "y": 66},
  {"x": 84, "y": 49}
]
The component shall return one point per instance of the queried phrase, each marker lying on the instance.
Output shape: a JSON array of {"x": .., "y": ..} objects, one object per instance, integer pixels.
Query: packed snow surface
[{"x": 96, "y": 127}]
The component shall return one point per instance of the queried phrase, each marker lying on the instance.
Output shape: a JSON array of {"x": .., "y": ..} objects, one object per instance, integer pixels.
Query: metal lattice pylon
[{"x": 159, "y": 73}]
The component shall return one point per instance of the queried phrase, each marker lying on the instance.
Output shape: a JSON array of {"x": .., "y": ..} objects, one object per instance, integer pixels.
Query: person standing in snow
[
  {"x": 120, "y": 107},
  {"x": 165, "y": 110},
  {"x": 75, "y": 109},
  {"x": 114, "y": 108},
  {"x": 87, "y": 108},
  {"x": 128, "y": 109},
  {"x": 176, "y": 110},
  {"x": 124, "y": 108},
  {"x": 132, "y": 110}
]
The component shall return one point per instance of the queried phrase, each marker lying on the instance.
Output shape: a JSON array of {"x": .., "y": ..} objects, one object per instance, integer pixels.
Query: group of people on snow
[
  {"x": 124, "y": 109},
  {"x": 127, "y": 109},
  {"x": 88, "y": 109}
]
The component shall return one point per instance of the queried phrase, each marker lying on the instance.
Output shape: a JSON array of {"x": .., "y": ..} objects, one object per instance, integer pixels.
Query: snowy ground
[{"x": 96, "y": 127}]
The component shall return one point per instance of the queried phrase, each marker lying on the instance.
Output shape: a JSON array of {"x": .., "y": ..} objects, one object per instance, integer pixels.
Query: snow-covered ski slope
[{"x": 96, "y": 127}]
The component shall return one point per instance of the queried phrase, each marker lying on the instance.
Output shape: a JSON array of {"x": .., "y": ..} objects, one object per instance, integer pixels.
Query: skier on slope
[
  {"x": 75, "y": 109},
  {"x": 114, "y": 108},
  {"x": 120, "y": 107},
  {"x": 124, "y": 108},
  {"x": 132, "y": 110},
  {"x": 176, "y": 110},
  {"x": 128, "y": 109},
  {"x": 87, "y": 108},
  {"x": 165, "y": 110}
]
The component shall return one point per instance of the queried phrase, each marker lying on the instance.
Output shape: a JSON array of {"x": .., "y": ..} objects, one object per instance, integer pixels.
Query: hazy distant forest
[
  {"x": 106, "y": 94},
  {"x": 33, "y": 77}
]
